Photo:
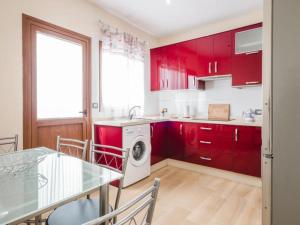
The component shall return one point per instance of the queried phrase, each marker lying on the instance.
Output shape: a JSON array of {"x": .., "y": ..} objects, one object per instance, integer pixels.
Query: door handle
[
  {"x": 181, "y": 129},
  {"x": 236, "y": 134},
  {"x": 209, "y": 67},
  {"x": 205, "y": 128},
  {"x": 151, "y": 131},
  {"x": 206, "y": 142},
  {"x": 84, "y": 112},
  {"x": 252, "y": 82},
  {"x": 216, "y": 66},
  {"x": 206, "y": 158}
]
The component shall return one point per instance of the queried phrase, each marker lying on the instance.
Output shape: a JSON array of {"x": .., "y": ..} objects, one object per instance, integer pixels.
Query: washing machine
[{"x": 137, "y": 139}]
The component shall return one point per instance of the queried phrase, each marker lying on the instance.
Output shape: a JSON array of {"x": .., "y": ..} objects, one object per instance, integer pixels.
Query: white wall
[
  {"x": 77, "y": 15},
  {"x": 216, "y": 92}
]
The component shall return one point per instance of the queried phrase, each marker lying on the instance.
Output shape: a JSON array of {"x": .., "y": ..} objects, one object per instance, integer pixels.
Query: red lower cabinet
[
  {"x": 191, "y": 149},
  {"x": 158, "y": 142},
  {"x": 176, "y": 140},
  {"x": 223, "y": 156},
  {"x": 247, "y": 150},
  {"x": 232, "y": 148}
]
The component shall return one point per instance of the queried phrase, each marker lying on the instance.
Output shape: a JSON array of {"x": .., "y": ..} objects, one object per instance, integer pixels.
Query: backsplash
[{"x": 219, "y": 91}]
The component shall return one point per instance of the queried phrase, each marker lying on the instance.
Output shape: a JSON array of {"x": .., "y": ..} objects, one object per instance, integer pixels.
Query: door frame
[{"x": 30, "y": 24}]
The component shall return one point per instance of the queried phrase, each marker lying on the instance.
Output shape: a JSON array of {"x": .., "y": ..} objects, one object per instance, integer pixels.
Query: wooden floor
[{"x": 190, "y": 198}]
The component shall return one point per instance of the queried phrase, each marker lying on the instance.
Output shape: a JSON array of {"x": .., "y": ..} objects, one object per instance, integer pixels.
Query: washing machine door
[{"x": 139, "y": 151}]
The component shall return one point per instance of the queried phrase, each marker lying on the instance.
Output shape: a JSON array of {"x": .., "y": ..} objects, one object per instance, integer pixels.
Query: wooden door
[{"x": 56, "y": 97}]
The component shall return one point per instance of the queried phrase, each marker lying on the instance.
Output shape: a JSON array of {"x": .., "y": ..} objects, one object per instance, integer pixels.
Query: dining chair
[
  {"x": 72, "y": 147},
  {"x": 8, "y": 144},
  {"x": 84, "y": 210},
  {"x": 139, "y": 211}
]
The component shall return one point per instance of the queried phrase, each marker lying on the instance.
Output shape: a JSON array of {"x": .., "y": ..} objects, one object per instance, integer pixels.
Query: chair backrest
[
  {"x": 72, "y": 147},
  {"x": 8, "y": 144},
  {"x": 113, "y": 158},
  {"x": 138, "y": 211}
]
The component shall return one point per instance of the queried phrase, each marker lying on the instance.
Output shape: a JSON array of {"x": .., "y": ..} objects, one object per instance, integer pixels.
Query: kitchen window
[{"x": 122, "y": 73}]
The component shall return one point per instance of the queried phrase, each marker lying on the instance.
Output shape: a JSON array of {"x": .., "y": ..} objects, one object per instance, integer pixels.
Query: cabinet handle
[
  {"x": 180, "y": 129},
  {"x": 236, "y": 134},
  {"x": 209, "y": 67},
  {"x": 194, "y": 81},
  {"x": 253, "y": 52},
  {"x": 205, "y": 128},
  {"x": 206, "y": 142},
  {"x": 206, "y": 158},
  {"x": 163, "y": 83},
  {"x": 252, "y": 82},
  {"x": 151, "y": 131},
  {"x": 216, "y": 66},
  {"x": 167, "y": 83}
]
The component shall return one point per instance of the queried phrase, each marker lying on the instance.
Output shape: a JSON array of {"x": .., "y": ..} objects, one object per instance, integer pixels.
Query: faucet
[{"x": 131, "y": 110}]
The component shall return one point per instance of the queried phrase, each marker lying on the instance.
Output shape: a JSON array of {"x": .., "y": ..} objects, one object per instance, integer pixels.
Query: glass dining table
[{"x": 51, "y": 180}]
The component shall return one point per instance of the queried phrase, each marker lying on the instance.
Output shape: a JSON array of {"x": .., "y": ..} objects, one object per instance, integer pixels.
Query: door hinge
[{"x": 268, "y": 156}]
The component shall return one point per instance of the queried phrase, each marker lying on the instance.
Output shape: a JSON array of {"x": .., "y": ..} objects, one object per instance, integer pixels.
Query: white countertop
[{"x": 147, "y": 120}]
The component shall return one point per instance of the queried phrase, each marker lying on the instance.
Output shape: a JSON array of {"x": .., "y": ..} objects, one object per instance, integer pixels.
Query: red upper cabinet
[
  {"x": 154, "y": 66},
  {"x": 214, "y": 54},
  {"x": 205, "y": 56},
  {"x": 247, "y": 56},
  {"x": 222, "y": 57},
  {"x": 237, "y": 52}
]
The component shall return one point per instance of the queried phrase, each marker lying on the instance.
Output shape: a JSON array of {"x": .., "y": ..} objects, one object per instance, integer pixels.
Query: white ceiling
[{"x": 160, "y": 19}]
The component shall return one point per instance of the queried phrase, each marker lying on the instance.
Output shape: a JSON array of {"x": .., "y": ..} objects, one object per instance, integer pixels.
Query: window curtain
[{"x": 122, "y": 77}]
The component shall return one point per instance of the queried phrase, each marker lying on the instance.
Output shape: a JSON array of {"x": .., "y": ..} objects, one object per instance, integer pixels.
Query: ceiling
[{"x": 161, "y": 19}]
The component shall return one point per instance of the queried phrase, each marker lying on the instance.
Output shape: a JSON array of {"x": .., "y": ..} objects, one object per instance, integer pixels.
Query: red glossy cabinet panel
[
  {"x": 246, "y": 67},
  {"x": 205, "y": 56},
  {"x": 155, "y": 65},
  {"x": 158, "y": 142},
  {"x": 176, "y": 140},
  {"x": 222, "y": 57},
  {"x": 247, "y": 150},
  {"x": 106, "y": 135}
]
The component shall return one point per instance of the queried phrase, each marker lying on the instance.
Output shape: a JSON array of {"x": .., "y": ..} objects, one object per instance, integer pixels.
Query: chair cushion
[{"x": 75, "y": 213}]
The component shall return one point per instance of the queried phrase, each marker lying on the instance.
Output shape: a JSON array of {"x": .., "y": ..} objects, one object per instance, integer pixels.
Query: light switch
[{"x": 95, "y": 105}]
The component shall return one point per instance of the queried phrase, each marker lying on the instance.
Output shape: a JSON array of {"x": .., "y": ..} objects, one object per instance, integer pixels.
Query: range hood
[{"x": 211, "y": 78}]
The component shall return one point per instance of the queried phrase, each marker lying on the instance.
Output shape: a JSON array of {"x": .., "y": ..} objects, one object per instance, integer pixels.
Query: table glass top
[{"x": 46, "y": 181}]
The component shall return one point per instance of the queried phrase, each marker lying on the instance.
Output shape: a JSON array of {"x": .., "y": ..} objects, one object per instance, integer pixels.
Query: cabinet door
[
  {"x": 223, "y": 155},
  {"x": 205, "y": 56},
  {"x": 222, "y": 52},
  {"x": 247, "y": 150},
  {"x": 191, "y": 151},
  {"x": 158, "y": 142},
  {"x": 246, "y": 67},
  {"x": 176, "y": 140},
  {"x": 155, "y": 64}
]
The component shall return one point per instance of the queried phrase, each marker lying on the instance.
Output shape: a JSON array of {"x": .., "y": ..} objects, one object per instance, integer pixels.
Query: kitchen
[{"x": 186, "y": 99}]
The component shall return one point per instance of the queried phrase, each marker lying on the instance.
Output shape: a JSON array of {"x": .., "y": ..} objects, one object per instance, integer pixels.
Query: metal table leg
[{"x": 104, "y": 201}]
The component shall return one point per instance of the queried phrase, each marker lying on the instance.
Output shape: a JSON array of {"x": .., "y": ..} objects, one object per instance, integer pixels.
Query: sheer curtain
[{"x": 122, "y": 77}]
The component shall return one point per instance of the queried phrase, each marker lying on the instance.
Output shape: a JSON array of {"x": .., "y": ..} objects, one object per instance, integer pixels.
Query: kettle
[{"x": 249, "y": 115}]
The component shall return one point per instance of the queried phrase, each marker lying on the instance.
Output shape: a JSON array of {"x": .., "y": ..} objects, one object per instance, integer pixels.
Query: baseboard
[
  {"x": 241, "y": 178},
  {"x": 159, "y": 165}
]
